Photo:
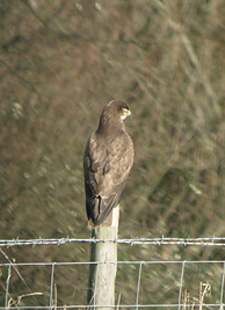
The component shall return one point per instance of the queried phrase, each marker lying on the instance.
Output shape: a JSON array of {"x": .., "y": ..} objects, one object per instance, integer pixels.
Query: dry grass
[{"x": 189, "y": 303}]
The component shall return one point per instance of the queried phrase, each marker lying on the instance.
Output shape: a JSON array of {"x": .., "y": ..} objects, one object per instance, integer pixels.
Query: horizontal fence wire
[
  {"x": 153, "y": 262},
  {"x": 214, "y": 241},
  {"x": 196, "y": 306},
  {"x": 176, "y": 306}
]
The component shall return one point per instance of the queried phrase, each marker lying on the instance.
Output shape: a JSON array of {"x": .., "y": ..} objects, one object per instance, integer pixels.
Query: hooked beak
[{"x": 126, "y": 113}]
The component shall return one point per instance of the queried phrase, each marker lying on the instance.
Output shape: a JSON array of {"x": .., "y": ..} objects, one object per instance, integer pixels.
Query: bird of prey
[{"x": 108, "y": 159}]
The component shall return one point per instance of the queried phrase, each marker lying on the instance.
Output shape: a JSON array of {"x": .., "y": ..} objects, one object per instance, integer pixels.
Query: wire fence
[
  {"x": 152, "y": 279},
  {"x": 214, "y": 241}
]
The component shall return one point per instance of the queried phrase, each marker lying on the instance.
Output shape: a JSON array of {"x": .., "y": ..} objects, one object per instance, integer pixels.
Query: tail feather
[{"x": 98, "y": 209}]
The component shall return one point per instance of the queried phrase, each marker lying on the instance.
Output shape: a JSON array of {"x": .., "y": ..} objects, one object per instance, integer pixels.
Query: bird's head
[
  {"x": 117, "y": 108},
  {"x": 114, "y": 113}
]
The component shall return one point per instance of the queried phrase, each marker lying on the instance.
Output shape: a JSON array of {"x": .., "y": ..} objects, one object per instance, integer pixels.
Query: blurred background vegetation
[{"x": 60, "y": 62}]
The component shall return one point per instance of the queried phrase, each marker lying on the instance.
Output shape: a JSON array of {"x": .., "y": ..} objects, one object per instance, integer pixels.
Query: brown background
[{"x": 60, "y": 62}]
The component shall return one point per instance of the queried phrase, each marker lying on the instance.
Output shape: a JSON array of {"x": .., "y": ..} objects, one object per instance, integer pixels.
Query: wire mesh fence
[{"x": 155, "y": 284}]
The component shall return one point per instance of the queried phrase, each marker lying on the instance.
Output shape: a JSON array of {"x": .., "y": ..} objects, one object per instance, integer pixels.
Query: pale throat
[{"x": 123, "y": 116}]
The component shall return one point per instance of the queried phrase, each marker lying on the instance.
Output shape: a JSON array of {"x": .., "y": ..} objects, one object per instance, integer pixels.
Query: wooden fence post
[{"x": 102, "y": 275}]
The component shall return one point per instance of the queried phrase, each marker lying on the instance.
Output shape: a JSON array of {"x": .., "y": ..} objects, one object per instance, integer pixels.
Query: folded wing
[{"x": 107, "y": 165}]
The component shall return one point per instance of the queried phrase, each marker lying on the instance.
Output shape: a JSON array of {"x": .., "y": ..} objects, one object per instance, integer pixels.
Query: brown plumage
[{"x": 108, "y": 159}]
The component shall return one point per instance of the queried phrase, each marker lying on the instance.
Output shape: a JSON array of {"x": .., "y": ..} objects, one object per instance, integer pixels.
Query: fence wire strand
[
  {"x": 219, "y": 242},
  {"x": 52, "y": 285},
  {"x": 7, "y": 286},
  {"x": 181, "y": 284},
  {"x": 169, "y": 306},
  {"x": 138, "y": 285},
  {"x": 222, "y": 285}
]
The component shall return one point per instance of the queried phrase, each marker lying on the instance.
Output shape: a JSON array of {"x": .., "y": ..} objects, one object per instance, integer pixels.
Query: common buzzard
[{"x": 108, "y": 159}]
